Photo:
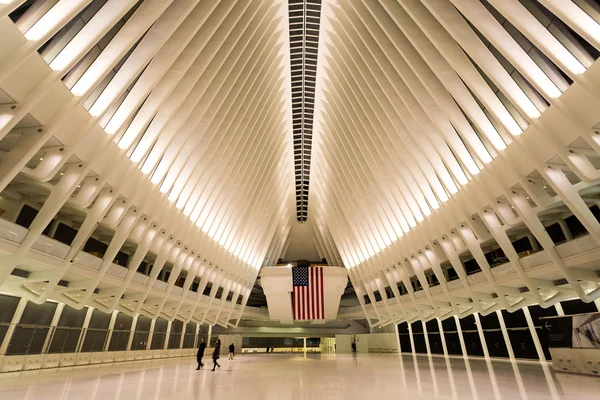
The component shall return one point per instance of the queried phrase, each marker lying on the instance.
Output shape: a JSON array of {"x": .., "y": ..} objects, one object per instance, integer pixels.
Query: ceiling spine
[{"x": 304, "y": 18}]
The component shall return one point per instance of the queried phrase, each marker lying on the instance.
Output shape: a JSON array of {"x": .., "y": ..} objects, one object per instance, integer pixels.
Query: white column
[
  {"x": 412, "y": 340},
  {"x": 53, "y": 324},
  {"x": 461, "y": 338},
  {"x": 84, "y": 327},
  {"x": 481, "y": 336},
  {"x": 168, "y": 335},
  {"x": 13, "y": 324},
  {"x": 511, "y": 353},
  {"x": 426, "y": 338},
  {"x": 196, "y": 339},
  {"x": 151, "y": 334},
  {"x": 597, "y": 302},
  {"x": 132, "y": 332},
  {"x": 182, "y": 335},
  {"x": 209, "y": 335},
  {"x": 463, "y": 348},
  {"x": 534, "y": 335},
  {"x": 397, "y": 339},
  {"x": 441, "y": 328},
  {"x": 565, "y": 229},
  {"x": 533, "y": 242},
  {"x": 559, "y": 310},
  {"x": 111, "y": 327}
]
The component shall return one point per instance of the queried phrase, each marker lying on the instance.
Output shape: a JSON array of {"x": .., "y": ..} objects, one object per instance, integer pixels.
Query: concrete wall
[
  {"x": 367, "y": 343},
  {"x": 383, "y": 343},
  {"x": 343, "y": 343},
  {"x": 226, "y": 340},
  {"x": 362, "y": 343}
]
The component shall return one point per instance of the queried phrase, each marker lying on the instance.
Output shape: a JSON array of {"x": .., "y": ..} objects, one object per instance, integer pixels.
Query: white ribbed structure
[
  {"x": 448, "y": 136},
  {"x": 159, "y": 127},
  {"x": 452, "y": 128}
]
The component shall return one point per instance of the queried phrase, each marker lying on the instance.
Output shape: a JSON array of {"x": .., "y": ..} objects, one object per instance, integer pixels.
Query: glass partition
[{"x": 42, "y": 339}]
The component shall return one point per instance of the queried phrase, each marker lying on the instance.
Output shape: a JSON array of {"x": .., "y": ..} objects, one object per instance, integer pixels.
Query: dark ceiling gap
[{"x": 304, "y": 19}]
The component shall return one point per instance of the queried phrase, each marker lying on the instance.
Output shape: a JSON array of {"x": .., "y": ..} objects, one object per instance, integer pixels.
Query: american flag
[{"x": 307, "y": 297}]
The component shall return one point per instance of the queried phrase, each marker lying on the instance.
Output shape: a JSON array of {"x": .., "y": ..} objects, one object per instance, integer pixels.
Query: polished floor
[{"x": 280, "y": 376}]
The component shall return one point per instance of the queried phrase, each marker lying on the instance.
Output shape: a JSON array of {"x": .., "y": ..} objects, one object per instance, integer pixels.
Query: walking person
[
  {"x": 216, "y": 352},
  {"x": 200, "y": 353},
  {"x": 353, "y": 345},
  {"x": 231, "y": 351}
]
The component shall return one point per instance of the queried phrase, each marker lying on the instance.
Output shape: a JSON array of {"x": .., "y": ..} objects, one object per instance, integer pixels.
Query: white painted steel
[{"x": 442, "y": 129}]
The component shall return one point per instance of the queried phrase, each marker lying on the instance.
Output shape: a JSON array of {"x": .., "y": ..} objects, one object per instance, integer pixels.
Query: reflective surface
[
  {"x": 281, "y": 376},
  {"x": 31, "y": 339}
]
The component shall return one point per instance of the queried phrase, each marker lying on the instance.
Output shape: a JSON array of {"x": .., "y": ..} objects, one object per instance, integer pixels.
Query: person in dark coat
[
  {"x": 200, "y": 353},
  {"x": 231, "y": 351},
  {"x": 215, "y": 355}
]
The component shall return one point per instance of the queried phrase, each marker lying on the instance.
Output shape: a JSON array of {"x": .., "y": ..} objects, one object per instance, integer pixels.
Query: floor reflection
[
  {"x": 298, "y": 377},
  {"x": 483, "y": 379}
]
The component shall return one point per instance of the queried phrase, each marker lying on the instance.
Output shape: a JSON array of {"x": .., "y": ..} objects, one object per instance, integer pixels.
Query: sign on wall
[
  {"x": 573, "y": 331},
  {"x": 559, "y": 331}
]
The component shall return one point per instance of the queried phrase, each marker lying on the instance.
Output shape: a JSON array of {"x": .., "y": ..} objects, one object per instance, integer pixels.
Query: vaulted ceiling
[{"x": 410, "y": 138}]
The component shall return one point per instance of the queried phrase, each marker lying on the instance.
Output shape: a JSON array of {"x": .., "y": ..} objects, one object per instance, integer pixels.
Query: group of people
[{"x": 215, "y": 355}]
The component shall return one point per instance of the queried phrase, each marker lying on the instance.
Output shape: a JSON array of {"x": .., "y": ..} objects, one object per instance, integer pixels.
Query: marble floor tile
[{"x": 280, "y": 376}]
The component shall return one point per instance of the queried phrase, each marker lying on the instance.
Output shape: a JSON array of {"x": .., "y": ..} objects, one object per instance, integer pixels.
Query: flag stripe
[
  {"x": 294, "y": 301},
  {"x": 308, "y": 299},
  {"x": 315, "y": 286},
  {"x": 300, "y": 302},
  {"x": 305, "y": 294},
  {"x": 308, "y": 295},
  {"x": 312, "y": 292},
  {"x": 299, "y": 297},
  {"x": 317, "y": 290},
  {"x": 312, "y": 295},
  {"x": 304, "y": 302},
  {"x": 321, "y": 296}
]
